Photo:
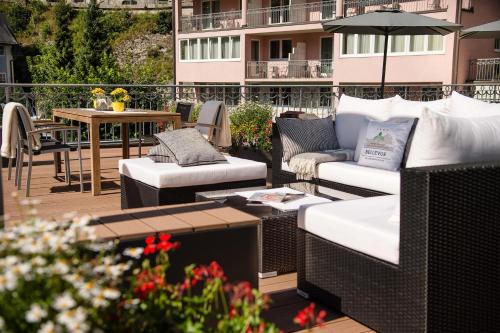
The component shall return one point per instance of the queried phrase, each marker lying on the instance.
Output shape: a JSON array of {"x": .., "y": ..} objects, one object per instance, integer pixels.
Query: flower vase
[{"x": 118, "y": 106}]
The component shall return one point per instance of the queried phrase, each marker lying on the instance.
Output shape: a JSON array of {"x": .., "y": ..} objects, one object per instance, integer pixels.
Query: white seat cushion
[
  {"x": 169, "y": 175},
  {"x": 362, "y": 225},
  {"x": 350, "y": 173}
]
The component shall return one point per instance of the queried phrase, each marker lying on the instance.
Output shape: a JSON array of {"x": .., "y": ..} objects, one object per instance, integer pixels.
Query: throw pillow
[
  {"x": 189, "y": 147},
  {"x": 384, "y": 144},
  {"x": 442, "y": 139},
  {"x": 350, "y": 114},
  {"x": 466, "y": 107},
  {"x": 413, "y": 109},
  {"x": 160, "y": 154},
  {"x": 302, "y": 136}
]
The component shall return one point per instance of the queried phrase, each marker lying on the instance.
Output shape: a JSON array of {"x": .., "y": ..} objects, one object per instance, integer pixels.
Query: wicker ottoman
[{"x": 145, "y": 183}]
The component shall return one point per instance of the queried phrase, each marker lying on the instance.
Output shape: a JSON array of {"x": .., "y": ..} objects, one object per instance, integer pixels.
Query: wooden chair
[
  {"x": 209, "y": 121},
  {"x": 27, "y": 132}
]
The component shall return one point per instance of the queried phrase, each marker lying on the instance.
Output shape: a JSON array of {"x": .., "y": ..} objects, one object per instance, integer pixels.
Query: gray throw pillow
[
  {"x": 303, "y": 136},
  {"x": 160, "y": 154},
  {"x": 189, "y": 147}
]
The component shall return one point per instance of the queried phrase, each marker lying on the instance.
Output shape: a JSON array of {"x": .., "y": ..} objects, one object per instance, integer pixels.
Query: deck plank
[{"x": 57, "y": 198}]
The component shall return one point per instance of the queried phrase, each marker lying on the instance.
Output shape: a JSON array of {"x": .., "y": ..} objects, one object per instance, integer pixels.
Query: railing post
[
  {"x": 339, "y": 8},
  {"x": 244, "y": 10}
]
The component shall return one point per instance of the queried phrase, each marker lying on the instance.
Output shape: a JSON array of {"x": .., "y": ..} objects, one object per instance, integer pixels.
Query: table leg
[
  {"x": 57, "y": 156},
  {"x": 125, "y": 141},
  {"x": 177, "y": 123},
  {"x": 95, "y": 159}
]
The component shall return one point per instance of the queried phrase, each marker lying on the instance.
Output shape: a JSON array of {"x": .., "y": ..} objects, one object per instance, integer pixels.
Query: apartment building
[{"x": 281, "y": 42}]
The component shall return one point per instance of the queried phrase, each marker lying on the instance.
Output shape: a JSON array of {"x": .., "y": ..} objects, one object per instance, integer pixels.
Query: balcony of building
[
  {"x": 284, "y": 12},
  {"x": 290, "y": 69},
  {"x": 484, "y": 69},
  {"x": 357, "y": 7}
]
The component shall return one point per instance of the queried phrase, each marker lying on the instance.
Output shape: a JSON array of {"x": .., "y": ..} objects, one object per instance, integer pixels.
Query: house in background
[
  {"x": 7, "y": 42},
  {"x": 281, "y": 42}
]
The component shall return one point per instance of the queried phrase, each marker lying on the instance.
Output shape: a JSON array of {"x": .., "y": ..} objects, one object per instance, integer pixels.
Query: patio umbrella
[
  {"x": 488, "y": 30},
  {"x": 388, "y": 23}
]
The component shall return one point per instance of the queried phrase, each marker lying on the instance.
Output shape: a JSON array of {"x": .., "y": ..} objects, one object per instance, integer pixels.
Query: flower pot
[
  {"x": 252, "y": 154},
  {"x": 118, "y": 106}
]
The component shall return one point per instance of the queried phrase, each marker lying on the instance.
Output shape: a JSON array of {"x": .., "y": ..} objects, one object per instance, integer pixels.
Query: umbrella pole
[{"x": 386, "y": 43}]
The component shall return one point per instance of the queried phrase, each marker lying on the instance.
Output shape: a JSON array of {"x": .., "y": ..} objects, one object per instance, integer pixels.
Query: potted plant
[
  {"x": 56, "y": 277},
  {"x": 97, "y": 94},
  {"x": 251, "y": 131},
  {"x": 119, "y": 96}
]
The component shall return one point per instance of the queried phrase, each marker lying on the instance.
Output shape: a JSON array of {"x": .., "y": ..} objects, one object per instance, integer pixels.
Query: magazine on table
[{"x": 266, "y": 197}]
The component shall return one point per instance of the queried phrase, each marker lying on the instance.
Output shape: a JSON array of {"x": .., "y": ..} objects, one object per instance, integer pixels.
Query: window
[
  {"x": 356, "y": 44},
  {"x": 213, "y": 48},
  {"x": 204, "y": 48},
  {"x": 398, "y": 44},
  {"x": 279, "y": 49},
  {"x": 235, "y": 47},
  {"x": 184, "y": 49},
  {"x": 2, "y": 51},
  {"x": 435, "y": 43},
  {"x": 417, "y": 43},
  {"x": 497, "y": 44}
]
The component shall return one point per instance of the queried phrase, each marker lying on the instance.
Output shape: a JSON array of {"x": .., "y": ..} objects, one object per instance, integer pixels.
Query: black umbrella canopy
[
  {"x": 388, "y": 23},
  {"x": 488, "y": 30},
  {"x": 391, "y": 22}
]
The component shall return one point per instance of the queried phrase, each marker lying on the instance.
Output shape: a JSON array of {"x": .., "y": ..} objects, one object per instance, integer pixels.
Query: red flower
[
  {"x": 150, "y": 247},
  {"x": 307, "y": 317},
  {"x": 216, "y": 271},
  {"x": 165, "y": 245}
]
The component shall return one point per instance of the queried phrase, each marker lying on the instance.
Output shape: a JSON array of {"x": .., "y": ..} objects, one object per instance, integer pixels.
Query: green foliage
[
  {"x": 64, "y": 14},
  {"x": 251, "y": 126},
  {"x": 164, "y": 22},
  {"x": 19, "y": 17},
  {"x": 196, "y": 112}
]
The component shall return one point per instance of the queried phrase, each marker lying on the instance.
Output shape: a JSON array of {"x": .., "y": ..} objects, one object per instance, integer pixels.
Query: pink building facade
[{"x": 250, "y": 42}]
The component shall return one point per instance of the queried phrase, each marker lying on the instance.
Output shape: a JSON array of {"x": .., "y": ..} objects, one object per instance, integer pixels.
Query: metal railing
[
  {"x": 293, "y": 69},
  {"x": 484, "y": 69},
  {"x": 299, "y": 13},
  {"x": 319, "y": 99},
  {"x": 222, "y": 21},
  {"x": 357, "y": 7}
]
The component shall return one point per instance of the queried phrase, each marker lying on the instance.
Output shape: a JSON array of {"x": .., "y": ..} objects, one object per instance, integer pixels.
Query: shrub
[
  {"x": 164, "y": 22},
  {"x": 251, "y": 126},
  {"x": 18, "y": 17}
]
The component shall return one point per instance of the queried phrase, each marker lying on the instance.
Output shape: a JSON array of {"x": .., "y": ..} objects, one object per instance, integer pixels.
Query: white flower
[
  {"x": 48, "y": 327},
  {"x": 131, "y": 303},
  {"x": 8, "y": 281},
  {"x": 60, "y": 267},
  {"x": 134, "y": 252},
  {"x": 11, "y": 260},
  {"x": 35, "y": 314},
  {"x": 74, "y": 320},
  {"x": 63, "y": 302},
  {"x": 80, "y": 222},
  {"x": 111, "y": 293},
  {"x": 21, "y": 269},
  {"x": 38, "y": 261},
  {"x": 75, "y": 279},
  {"x": 99, "y": 301},
  {"x": 88, "y": 290}
]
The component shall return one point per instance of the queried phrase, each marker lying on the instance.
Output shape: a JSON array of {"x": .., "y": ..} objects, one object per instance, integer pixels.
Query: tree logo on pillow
[{"x": 379, "y": 145}]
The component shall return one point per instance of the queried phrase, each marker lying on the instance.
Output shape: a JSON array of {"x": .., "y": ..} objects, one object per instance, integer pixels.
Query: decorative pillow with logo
[{"x": 384, "y": 144}]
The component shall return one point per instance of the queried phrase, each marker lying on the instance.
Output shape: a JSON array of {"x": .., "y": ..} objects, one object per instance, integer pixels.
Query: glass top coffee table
[{"x": 277, "y": 231}]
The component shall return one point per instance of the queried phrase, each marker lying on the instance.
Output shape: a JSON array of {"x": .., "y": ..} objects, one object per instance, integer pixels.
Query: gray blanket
[{"x": 305, "y": 165}]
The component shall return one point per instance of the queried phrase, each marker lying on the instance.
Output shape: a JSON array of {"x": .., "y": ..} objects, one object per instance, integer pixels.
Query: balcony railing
[
  {"x": 222, "y": 21},
  {"x": 299, "y": 13},
  {"x": 485, "y": 69},
  {"x": 295, "y": 69},
  {"x": 357, "y": 7}
]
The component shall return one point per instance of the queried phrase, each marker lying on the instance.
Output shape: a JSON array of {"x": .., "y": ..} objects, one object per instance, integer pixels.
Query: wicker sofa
[{"x": 447, "y": 276}]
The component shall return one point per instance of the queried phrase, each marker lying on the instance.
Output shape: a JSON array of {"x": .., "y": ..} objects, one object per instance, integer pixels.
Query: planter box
[{"x": 254, "y": 155}]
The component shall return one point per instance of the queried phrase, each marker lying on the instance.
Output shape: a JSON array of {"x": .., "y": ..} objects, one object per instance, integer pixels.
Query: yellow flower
[
  {"x": 126, "y": 98},
  {"x": 97, "y": 91},
  {"x": 120, "y": 95}
]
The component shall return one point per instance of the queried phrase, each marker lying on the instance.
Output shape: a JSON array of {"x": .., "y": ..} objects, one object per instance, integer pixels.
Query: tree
[
  {"x": 63, "y": 39},
  {"x": 164, "y": 22},
  {"x": 18, "y": 17},
  {"x": 93, "y": 44}
]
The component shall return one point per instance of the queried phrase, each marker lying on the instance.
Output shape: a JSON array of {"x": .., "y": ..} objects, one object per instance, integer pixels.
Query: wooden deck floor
[{"x": 57, "y": 198}]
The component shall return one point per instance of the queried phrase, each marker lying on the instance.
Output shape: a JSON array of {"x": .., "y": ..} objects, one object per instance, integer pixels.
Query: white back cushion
[
  {"x": 466, "y": 107},
  {"x": 442, "y": 139},
  {"x": 350, "y": 116},
  {"x": 413, "y": 109}
]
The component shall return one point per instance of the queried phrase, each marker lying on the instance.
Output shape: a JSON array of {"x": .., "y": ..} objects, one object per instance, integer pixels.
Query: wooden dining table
[{"x": 95, "y": 118}]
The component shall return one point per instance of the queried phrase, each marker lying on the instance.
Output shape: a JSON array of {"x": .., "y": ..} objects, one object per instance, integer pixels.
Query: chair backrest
[
  {"x": 209, "y": 115},
  {"x": 185, "y": 109},
  {"x": 25, "y": 125}
]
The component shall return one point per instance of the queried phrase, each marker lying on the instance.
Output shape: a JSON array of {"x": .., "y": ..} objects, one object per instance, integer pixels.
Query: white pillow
[
  {"x": 384, "y": 144},
  {"x": 466, "y": 107},
  {"x": 350, "y": 114},
  {"x": 442, "y": 139},
  {"x": 403, "y": 108}
]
